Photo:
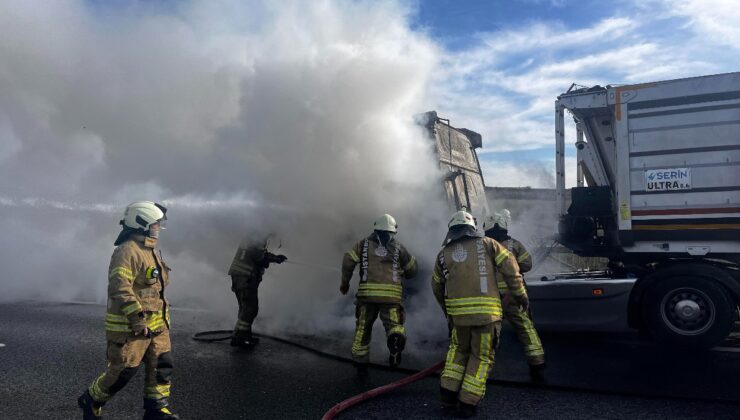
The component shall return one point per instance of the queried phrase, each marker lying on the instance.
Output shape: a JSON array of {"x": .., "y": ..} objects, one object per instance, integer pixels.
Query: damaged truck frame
[{"x": 658, "y": 194}]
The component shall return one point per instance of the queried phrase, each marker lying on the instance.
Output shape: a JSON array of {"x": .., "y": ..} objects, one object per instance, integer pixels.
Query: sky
[
  {"x": 505, "y": 62},
  {"x": 294, "y": 117}
]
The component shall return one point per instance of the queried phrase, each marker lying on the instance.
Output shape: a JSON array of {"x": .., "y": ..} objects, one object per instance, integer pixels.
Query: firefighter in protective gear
[
  {"x": 496, "y": 227},
  {"x": 247, "y": 268},
  {"x": 465, "y": 283},
  {"x": 384, "y": 263},
  {"x": 137, "y": 321}
]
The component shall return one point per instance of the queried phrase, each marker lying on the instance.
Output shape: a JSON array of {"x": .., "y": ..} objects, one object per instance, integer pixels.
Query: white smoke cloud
[{"x": 295, "y": 117}]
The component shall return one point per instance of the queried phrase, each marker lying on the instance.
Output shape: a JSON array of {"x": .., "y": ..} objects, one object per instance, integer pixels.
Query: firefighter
[
  {"x": 496, "y": 227},
  {"x": 384, "y": 263},
  {"x": 465, "y": 283},
  {"x": 137, "y": 321},
  {"x": 247, "y": 268}
]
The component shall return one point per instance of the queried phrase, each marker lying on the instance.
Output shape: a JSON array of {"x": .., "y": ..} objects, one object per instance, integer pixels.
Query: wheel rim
[{"x": 688, "y": 311}]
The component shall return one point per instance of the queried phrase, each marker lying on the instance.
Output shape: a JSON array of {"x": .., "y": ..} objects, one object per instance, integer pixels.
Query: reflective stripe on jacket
[
  {"x": 249, "y": 260},
  {"x": 382, "y": 269},
  {"x": 137, "y": 277},
  {"x": 120, "y": 323},
  {"x": 523, "y": 259},
  {"x": 520, "y": 253},
  {"x": 465, "y": 277}
]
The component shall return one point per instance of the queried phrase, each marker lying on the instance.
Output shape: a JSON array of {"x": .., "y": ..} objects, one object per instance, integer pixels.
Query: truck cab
[{"x": 658, "y": 194}]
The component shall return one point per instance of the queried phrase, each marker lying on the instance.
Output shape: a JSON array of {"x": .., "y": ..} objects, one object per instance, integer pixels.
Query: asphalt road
[{"x": 52, "y": 351}]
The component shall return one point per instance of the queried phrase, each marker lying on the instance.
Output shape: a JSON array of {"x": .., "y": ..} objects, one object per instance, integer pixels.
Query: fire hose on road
[
  {"x": 221, "y": 335},
  {"x": 349, "y": 402}
]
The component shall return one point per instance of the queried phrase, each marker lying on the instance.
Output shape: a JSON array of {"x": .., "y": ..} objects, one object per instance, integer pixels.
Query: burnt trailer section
[
  {"x": 659, "y": 195},
  {"x": 455, "y": 148}
]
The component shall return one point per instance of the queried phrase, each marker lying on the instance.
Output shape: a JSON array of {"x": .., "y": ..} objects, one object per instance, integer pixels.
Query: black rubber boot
[
  {"x": 466, "y": 410},
  {"x": 396, "y": 344},
  {"x": 537, "y": 372},
  {"x": 91, "y": 410},
  {"x": 163, "y": 413},
  {"x": 448, "y": 398},
  {"x": 245, "y": 341}
]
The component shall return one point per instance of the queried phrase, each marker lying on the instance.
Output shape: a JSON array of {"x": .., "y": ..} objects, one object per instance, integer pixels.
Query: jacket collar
[
  {"x": 500, "y": 240},
  {"x": 469, "y": 232},
  {"x": 144, "y": 240},
  {"x": 374, "y": 238}
]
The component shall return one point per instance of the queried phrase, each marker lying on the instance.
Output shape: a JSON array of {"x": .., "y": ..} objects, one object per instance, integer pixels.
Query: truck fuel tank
[{"x": 580, "y": 301}]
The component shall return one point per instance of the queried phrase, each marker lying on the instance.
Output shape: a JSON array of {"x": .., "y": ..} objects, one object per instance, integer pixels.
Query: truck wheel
[{"x": 688, "y": 308}]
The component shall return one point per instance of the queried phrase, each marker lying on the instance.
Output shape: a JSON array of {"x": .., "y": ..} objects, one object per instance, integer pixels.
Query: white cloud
[
  {"x": 554, "y": 36},
  {"x": 505, "y": 85},
  {"x": 716, "y": 21}
]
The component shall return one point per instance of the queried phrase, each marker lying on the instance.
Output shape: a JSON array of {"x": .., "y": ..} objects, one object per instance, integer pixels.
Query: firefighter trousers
[
  {"x": 392, "y": 317},
  {"x": 124, "y": 356},
  {"x": 245, "y": 289},
  {"x": 469, "y": 360},
  {"x": 525, "y": 332}
]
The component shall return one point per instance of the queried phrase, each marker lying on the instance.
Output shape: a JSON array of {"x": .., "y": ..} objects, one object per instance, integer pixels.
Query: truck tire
[{"x": 687, "y": 307}]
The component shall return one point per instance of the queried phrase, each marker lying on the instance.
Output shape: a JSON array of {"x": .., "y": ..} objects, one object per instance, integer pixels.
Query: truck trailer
[{"x": 658, "y": 194}]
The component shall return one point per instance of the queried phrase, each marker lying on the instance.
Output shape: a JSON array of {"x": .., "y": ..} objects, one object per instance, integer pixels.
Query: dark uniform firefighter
[
  {"x": 137, "y": 321},
  {"x": 496, "y": 227},
  {"x": 465, "y": 283},
  {"x": 384, "y": 263},
  {"x": 247, "y": 268}
]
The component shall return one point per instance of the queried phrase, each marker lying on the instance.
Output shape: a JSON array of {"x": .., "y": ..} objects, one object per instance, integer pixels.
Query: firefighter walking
[
  {"x": 246, "y": 271},
  {"x": 384, "y": 263},
  {"x": 137, "y": 321},
  {"x": 496, "y": 227},
  {"x": 465, "y": 283}
]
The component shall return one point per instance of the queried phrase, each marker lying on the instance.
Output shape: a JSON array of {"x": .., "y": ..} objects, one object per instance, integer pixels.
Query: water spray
[{"x": 316, "y": 266}]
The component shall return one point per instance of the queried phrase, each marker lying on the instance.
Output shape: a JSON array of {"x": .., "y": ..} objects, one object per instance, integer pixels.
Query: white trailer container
[{"x": 659, "y": 195}]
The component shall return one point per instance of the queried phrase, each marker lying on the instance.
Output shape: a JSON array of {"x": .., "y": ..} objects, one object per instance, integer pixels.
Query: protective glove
[
  {"x": 138, "y": 324},
  {"x": 506, "y": 300},
  {"x": 344, "y": 288},
  {"x": 280, "y": 258},
  {"x": 524, "y": 303}
]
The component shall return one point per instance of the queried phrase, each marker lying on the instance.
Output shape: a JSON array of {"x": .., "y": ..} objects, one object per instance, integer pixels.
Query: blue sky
[
  {"x": 507, "y": 61},
  {"x": 456, "y": 24}
]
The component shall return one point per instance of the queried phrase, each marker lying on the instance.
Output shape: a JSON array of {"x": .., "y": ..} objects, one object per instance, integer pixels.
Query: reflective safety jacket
[
  {"x": 137, "y": 278},
  {"x": 250, "y": 262},
  {"x": 382, "y": 269},
  {"x": 520, "y": 253},
  {"x": 465, "y": 277}
]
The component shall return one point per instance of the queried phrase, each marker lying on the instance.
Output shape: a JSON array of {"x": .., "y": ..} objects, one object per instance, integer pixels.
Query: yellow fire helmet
[
  {"x": 387, "y": 223},
  {"x": 500, "y": 218},
  {"x": 141, "y": 215},
  {"x": 461, "y": 218}
]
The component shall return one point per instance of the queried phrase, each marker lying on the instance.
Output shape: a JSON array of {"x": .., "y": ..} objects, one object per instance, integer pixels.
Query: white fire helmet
[
  {"x": 461, "y": 218},
  {"x": 500, "y": 218},
  {"x": 387, "y": 223},
  {"x": 140, "y": 215}
]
